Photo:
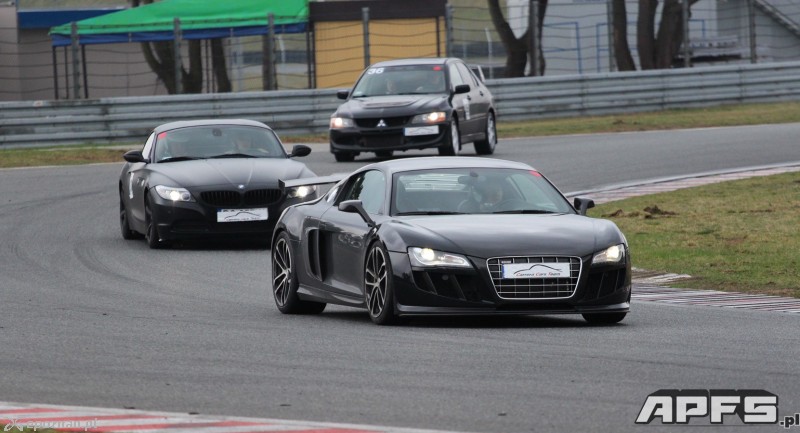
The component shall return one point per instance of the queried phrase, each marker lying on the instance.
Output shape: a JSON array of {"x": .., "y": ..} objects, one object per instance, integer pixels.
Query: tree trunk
[
  {"x": 193, "y": 78},
  {"x": 670, "y": 34},
  {"x": 645, "y": 29},
  {"x": 516, "y": 49},
  {"x": 160, "y": 57},
  {"x": 622, "y": 52},
  {"x": 538, "y": 50},
  {"x": 220, "y": 67}
]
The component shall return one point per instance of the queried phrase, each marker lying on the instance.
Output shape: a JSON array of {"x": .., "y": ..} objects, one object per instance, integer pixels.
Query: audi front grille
[{"x": 534, "y": 288}]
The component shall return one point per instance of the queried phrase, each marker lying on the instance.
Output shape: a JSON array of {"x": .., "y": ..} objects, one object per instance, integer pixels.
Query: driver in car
[{"x": 246, "y": 144}]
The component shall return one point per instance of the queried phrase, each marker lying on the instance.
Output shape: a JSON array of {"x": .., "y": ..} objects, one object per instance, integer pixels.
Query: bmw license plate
[
  {"x": 536, "y": 270},
  {"x": 421, "y": 130},
  {"x": 240, "y": 215}
]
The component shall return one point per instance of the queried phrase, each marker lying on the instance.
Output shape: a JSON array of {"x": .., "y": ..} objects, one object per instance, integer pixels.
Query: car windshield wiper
[
  {"x": 232, "y": 155},
  {"x": 430, "y": 212},
  {"x": 526, "y": 211},
  {"x": 178, "y": 158}
]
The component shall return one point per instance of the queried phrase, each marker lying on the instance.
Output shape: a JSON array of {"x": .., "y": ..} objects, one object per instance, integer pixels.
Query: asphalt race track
[{"x": 90, "y": 319}]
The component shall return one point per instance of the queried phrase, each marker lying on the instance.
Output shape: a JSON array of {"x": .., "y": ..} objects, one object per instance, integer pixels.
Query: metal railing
[{"x": 129, "y": 119}]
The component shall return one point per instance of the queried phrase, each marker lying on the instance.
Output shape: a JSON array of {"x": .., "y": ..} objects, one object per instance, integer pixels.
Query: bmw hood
[
  {"x": 486, "y": 236},
  {"x": 392, "y": 105},
  {"x": 231, "y": 172}
]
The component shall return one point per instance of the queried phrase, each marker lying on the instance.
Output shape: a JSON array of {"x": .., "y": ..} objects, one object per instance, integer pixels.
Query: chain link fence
[{"x": 575, "y": 39}]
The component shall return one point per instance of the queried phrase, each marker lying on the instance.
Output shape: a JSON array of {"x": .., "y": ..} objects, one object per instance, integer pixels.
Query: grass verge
[
  {"x": 730, "y": 115},
  {"x": 64, "y": 155},
  {"x": 735, "y": 236}
]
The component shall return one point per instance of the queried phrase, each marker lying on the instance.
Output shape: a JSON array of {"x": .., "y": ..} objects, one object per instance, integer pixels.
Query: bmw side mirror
[
  {"x": 134, "y": 156},
  {"x": 462, "y": 88},
  {"x": 300, "y": 150},
  {"x": 343, "y": 94},
  {"x": 583, "y": 204},
  {"x": 355, "y": 206}
]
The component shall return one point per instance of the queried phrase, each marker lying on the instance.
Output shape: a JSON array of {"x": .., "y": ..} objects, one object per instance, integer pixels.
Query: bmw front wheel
[
  {"x": 124, "y": 224},
  {"x": 151, "y": 229}
]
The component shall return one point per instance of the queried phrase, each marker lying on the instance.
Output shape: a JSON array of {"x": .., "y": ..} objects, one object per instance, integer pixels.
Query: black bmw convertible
[
  {"x": 208, "y": 178},
  {"x": 449, "y": 236}
]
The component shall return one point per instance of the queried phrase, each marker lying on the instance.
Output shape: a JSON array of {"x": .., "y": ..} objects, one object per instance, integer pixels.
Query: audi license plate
[{"x": 536, "y": 270}]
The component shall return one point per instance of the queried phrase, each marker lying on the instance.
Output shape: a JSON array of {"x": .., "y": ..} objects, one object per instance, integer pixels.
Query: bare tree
[
  {"x": 518, "y": 50},
  {"x": 619, "y": 27},
  {"x": 160, "y": 56},
  {"x": 656, "y": 49}
]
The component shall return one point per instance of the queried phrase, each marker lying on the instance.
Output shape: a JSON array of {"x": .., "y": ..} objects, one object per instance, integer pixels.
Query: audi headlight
[
  {"x": 301, "y": 191},
  {"x": 174, "y": 194},
  {"x": 610, "y": 255},
  {"x": 341, "y": 122},
  {"x": 435, "y": 117},
  {"x": 426, "y": 257}
]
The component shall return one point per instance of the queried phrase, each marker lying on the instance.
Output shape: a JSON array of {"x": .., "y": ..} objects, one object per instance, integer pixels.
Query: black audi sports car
[
  {"x": 206, "y": 178},
  {"x": 449, "y": 236},
  {"x": 414, "y": 104}
]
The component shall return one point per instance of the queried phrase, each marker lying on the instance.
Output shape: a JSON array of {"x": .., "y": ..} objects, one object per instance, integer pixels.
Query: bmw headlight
[
  {"x": 435, "y": 117},
  {"x": 610, "y": 255},
  {"x": 341, "y": 122},
  {"x": 174, "y": 194},
  {"x": 426, "y": 257},
  {"x": 301, "y": 191}
]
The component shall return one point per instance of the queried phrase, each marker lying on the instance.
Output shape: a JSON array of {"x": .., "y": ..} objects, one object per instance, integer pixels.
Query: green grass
[
  {"x": 65, "y": 155},
  {"x": 730, "y": 115},
  {"x": 735, "y": 236}
]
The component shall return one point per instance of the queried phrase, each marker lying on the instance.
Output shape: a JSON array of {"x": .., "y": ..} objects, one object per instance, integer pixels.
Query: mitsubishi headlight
[
  {"x": 610, "y": 255},
  {"x": 435, "y": 117},
  {"x": 426, "y": 257},
  {"x": 341, "y": 122},
  {"x": 174, "y": 194},
  {"x": 301, "y": 191}
]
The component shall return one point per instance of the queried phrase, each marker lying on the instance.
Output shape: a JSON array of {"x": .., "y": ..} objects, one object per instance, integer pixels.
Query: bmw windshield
[{"x": 223, "y": 141}]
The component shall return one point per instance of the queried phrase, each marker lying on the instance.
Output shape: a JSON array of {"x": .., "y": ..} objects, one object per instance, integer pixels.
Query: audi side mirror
[
  {"x": 583, "y": 204},
  {"x": 355, "y": 206}
]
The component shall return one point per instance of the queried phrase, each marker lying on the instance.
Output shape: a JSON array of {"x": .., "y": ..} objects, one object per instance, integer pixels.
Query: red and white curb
[
  {"x": 14, "y": 417},
  {"x": 715, "y": 298}
]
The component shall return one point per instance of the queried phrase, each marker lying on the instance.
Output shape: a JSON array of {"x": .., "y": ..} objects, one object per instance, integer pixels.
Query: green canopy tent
[{"x": 169, "y": 20}]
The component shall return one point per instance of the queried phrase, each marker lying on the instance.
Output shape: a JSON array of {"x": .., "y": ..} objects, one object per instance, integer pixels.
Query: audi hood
[{"x": 489, "y": 235}]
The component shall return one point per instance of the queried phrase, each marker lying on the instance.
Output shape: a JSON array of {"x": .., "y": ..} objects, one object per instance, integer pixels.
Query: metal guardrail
[{"x": 125, "y": 120}]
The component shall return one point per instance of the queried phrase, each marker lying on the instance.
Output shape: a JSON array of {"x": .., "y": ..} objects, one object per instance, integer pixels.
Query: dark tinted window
[
  {"x": 400, "y": 80},
  {"x": 475, "y": 191},
  {"x": 370, "y": 188}
]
